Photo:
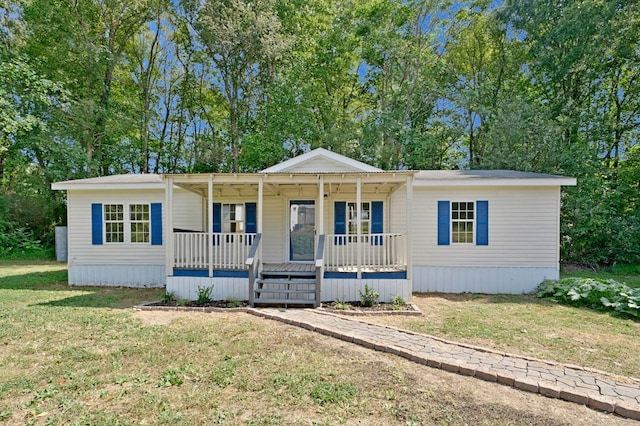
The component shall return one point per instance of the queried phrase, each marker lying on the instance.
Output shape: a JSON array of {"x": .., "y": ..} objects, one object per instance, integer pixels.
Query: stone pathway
[{"x": 595, "y": 389}]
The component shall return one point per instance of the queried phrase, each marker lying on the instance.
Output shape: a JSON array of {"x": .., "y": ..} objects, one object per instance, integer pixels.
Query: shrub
[
  {"x": 169, "y": 297},
  {"x": 370, "y": 297},
  {"x": 593, "y": 293},
  {"x": 233, "y": 302},
  {"x": 341, "y": 305},
  {"x": 398, "y": 300},
  {"x": 205, "y": 295}
]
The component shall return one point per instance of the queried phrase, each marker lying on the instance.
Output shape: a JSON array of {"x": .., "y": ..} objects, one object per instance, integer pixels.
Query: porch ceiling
[{"x": 292, "y": 183}]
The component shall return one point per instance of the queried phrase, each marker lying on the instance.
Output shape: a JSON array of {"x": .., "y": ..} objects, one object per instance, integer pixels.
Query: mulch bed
[
  {"x": 194, "y": 304},
  {"x": 356, "y": 308}
]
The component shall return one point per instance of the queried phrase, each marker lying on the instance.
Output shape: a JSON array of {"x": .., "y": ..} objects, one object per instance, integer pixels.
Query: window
[
  {"x": 233, "y": 218},
  {"x": 114, "y": 223},
  {"x": 137, "y": 226},
  {"x": 352, "y": 218},
  {"x": 462, "y": 220},
  {"x": 139, "y": 223}
]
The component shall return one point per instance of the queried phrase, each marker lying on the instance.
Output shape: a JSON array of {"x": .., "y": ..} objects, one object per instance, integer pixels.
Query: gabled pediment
[{"x": 321, "y": 161}]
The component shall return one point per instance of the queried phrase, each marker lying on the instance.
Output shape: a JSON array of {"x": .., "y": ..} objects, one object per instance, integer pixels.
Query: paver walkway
[{"x": 595, "y": 389}]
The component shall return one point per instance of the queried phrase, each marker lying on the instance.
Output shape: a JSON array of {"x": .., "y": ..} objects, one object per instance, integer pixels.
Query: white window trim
[
  {"x": 451, "y": 220},
  {"x": 243, "y": 220},
  {"x": 347, "y": 221},
  {"x": 127, "y": 224}
]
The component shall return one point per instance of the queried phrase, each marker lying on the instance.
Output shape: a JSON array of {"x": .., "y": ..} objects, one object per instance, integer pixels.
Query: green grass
[
  {"x": 628, "y": 274},
  {"x": 80, "y": 355},
  {"x": 531, "y": 326}
]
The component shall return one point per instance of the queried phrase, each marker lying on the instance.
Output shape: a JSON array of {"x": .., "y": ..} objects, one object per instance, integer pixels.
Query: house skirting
[
  {"x": 223, "y": 287},
  {"x": 478, "y": 279},
  {"x": 348, "y": 289},
  {"x": 117, "y": 275}
]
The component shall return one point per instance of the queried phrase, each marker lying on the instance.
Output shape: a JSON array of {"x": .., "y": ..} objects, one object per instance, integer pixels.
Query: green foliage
[
  {"x": 205, "y": 295},
  {"x": 170, "y": 378},
  {"x": 369, "y": 297},
  {"x": 341, "y": 305},
  {"x": 397, "y": 302},
  {"x": 169, "y": 297},
  {"x": 94, "y": 88},
  {"x": 222, "y": 374},
  {"x": 593, "y": 293},
  {"x": 233, "y": 303},
  {"x": 324, "y": 393}
]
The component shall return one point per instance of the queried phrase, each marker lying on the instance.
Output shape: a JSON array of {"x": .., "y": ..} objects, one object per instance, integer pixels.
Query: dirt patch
[{"x": 358, "y": 306}]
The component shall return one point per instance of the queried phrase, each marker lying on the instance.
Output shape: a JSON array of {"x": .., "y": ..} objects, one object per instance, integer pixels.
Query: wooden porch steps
[{"x": 286, "y": 285}]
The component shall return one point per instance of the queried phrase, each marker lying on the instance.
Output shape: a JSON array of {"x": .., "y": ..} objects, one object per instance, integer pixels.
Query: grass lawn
[
  {"x": 82, "y": 356},
  {"x": 536, "y": 327},
  {"x": 628, "y": 274}
]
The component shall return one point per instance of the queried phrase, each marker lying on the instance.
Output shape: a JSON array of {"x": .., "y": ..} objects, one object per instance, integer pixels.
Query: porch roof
[{"x": 383, "y": 181}]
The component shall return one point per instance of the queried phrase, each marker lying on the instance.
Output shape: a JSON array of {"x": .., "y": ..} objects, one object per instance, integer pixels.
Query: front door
[{"x": 302, "y": 226}]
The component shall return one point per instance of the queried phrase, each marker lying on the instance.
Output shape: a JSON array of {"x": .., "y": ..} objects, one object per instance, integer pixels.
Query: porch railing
[
  {"x": 191, "y": 250},
  {"x": 377, "y": 252}
]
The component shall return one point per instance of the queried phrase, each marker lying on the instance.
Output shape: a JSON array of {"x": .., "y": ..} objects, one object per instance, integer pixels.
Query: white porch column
[
  {"x": 260, "y": 203},
  {"x": 320, "y": 220},
  {"x": 169, "y": 258},
  {"x": 358, "y": 224},
  {"x": 409, "y": 226},
  {"x": 260, "y": 214},
  {"x": 210, "y": 223}
]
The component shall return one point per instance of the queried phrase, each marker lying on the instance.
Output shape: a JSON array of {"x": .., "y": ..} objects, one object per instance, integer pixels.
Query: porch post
[
  {"x": 260, "y": 213},
  {"x": 320, "y": 221},
  {"x": 359, "y": 224},
  {"x": 210, "y": 223},
  {"x": 169, "y": 258},
  {"x": 409, "y": 226},
  {"x": 260, "y": 202}
]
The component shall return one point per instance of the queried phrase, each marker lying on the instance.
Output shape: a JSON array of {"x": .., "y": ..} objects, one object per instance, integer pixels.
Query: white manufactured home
[{"x": 317, "y": 227}]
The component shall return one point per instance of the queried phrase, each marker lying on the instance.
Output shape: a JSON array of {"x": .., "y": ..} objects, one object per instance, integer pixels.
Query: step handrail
[
  {"x": 319, "y": 268},
  {"x": 253, "y": 262}
]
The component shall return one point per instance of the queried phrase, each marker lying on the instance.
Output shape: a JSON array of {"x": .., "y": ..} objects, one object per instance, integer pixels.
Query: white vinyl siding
[
  {"x": 82, "y": 251},
  {"x": 321, "y": 164},
  {"x": 274, "y": 220},
  {"x": 523, "y": 227}
]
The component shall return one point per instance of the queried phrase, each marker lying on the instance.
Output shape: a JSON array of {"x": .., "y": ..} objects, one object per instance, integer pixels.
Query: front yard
[{"x": 82, "y": 356}]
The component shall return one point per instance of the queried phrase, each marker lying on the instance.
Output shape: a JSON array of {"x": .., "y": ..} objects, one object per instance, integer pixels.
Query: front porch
[{"x": 257, "y": 229}]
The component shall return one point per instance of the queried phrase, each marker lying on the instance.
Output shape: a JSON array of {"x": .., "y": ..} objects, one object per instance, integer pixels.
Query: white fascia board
[
  {"x": 59, "y": 186},
  {"x": 321, "y": 152},
  {"x": 564, "y": 181}
]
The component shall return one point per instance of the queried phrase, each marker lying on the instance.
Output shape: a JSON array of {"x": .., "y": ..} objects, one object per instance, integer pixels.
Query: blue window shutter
[
  {"x": 251, "y": 212},
  {"x": 482, "y": 223},
  {"x": 156, "y": 224},
  {"x": 96, "y": 224},
  {"x": 251, "y": 225},
  {"x": 377, "y": 225},
  {"x": 217, "y": 217},
  {"x": 340, "y": 222},
  {"x": 444, "y": 223},
  {"x": 217, "y": 222}
]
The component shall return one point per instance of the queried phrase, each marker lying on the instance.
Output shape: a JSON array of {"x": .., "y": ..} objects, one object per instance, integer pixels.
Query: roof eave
[
  {"x": 559, "y": 181},
  {"x": 70, "y": 185}
]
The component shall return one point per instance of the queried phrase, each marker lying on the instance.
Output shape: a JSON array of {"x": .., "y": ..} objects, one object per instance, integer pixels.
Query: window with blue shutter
[
  {"x": 444, "y": 220},
  {"x": 482, "y": 223},
  {"x": 340, "y": 222},
  {"x": 96, "y": 224},
  {"x": 156, "y": 224},
  {"x": 377, "y": 225}
]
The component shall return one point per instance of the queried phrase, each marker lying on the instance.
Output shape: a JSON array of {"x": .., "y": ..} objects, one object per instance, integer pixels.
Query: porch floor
[{"x": 288, "y": 267}]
